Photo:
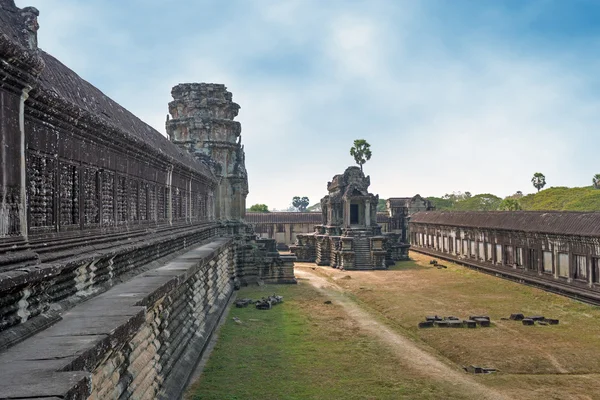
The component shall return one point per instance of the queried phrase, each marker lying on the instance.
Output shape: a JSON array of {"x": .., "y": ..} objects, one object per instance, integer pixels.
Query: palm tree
[
  {"x": 538, "y": 180},
  {"x": 596, "y": 181},
  {"x": 361, "y": 151}
]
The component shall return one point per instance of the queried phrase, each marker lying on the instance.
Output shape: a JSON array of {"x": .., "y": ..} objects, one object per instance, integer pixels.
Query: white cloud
[{"x": 443, "y": 112}]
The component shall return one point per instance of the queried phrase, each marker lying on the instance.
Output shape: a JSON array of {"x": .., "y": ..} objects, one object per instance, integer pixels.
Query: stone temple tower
[{"x": 202, "y": 123}]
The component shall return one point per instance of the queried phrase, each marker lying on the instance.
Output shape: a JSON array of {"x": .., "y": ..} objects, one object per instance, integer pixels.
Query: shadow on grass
[{"x": 408, "y": 265}]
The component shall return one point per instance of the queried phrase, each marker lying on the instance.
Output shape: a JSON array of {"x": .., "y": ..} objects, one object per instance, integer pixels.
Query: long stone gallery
[{"x": 121, "y": 249}]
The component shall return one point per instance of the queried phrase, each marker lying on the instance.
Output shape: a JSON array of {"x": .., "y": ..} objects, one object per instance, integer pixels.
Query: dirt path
[{"x": 407, "y": 351}]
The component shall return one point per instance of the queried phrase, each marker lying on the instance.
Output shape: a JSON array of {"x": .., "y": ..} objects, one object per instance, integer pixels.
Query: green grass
[{"x": 304, "y": 349}]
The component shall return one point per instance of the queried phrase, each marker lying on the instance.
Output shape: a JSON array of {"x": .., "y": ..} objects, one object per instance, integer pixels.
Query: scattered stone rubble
[
  {"x": 455, "y": 322},
  {"x": 532, "y": 319},
  {"x": 435, "y": 264},
  {"x": 266, "y": 303}
]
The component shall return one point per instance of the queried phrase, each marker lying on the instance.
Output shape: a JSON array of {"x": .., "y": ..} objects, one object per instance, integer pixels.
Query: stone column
[
  {"x": 347, "y": 214},
  {"x": 367, "y": 213}
]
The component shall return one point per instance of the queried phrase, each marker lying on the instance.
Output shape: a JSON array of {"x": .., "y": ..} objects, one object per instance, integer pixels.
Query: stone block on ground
[
  {"x": 517, "y": 317},
  {"x": 536, "y": 318},
  {"x": 241, "y": 303},
  {"x": 475, "y": 317},
  {"x": 452, "y": 323},
  {"x": 528, "y": 321},
  {"x": 469, "y": 323},
  {"x": 426, "y": 324}
]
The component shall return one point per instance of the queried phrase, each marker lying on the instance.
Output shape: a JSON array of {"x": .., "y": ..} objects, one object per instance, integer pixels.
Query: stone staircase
[{"x": 362, "y": 253}]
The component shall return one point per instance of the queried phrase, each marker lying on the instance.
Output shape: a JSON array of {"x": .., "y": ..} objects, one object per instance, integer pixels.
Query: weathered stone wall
[
  {"x": 158, "y": 360},
  {"x": 33, "y": 297},
  {"x": 138, "y": 340},
  {"x": 565, "y": 263}
]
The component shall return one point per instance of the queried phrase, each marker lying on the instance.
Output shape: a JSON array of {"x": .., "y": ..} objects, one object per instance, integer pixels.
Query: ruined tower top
[
  {"x": 202, "y": 123},
  {"x": 204, "y": 100}
]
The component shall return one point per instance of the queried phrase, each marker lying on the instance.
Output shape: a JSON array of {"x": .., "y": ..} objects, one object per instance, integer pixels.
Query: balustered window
[
  {"x": 41, "y": 172},
  {"x": 133, "y": 200},
  {"x": 143, "y": 201},
  {"x": 108, "y": 197},
  {"x": 152, "y": 202},
  {"x": 121, "y": 199},
  {"x": 91, "y": 188},
  {"x": 161, "y": 203},
  {"x": 69, "y": 194}
]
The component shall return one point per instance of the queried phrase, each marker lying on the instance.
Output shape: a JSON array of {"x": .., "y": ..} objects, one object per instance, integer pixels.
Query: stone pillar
[
  {"x": 347, "y": 214},
  {"x": 367, "y": 213}
]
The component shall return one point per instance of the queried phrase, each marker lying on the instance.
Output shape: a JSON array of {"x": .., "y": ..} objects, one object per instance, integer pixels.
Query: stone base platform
[{"x": 139, "y": 339}]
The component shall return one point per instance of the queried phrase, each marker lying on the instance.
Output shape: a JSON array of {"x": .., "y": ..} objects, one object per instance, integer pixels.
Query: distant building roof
[
  {"x": 395, "y": 202},
  {"x": 552, "y": 222},
  {"x": 284, "y": 217}
]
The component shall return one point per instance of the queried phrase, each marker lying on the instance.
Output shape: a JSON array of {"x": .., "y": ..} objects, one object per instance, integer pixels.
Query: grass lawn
[
  {"x": 305, "y": 349},
  {"x": 558, "y": 362}
]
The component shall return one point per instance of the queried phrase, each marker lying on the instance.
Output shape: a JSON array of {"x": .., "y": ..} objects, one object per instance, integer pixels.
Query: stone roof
[
  {"x": 284, "y": 217},
  {"x": 404, "y": 201},
  {"x": 550, "y": 222},
  {"x": 60, "y": 79},
  {"x": 11, "y": 23},
  {"x": 60, "y": 83},
  {"x": 296, "y": 217}
]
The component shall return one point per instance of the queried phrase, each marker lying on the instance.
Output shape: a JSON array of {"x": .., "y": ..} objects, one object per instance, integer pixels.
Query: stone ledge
[{"x": 58, "y": 361}]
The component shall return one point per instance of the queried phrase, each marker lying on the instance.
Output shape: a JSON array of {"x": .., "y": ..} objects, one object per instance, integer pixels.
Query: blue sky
[{"x": 461, "y": 95}]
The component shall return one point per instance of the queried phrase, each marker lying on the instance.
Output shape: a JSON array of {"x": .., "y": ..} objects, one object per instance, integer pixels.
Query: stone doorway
[{"x": 353, "y": 214}]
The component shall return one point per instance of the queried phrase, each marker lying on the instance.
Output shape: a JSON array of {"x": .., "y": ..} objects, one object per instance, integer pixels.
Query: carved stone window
[
  {"x": 108, "y": 197},
  {"x": 161, "y": 204},
  {"x": 121, "y": 199},
  {"x": 133, "y": 200},
  {"x": 184, "y": 204},
  {"x": 143, "y": 207},
  {"x": 69, "y": 194},
  {"x": 41, "y": 172},
  {"x": 152, "y": 202},
  {"x": 91, "y": 188}
]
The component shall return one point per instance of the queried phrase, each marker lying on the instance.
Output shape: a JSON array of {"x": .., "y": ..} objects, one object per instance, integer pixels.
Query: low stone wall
[
  {"x": 32, "y": 297},
  {"x": 139, "y": 340}
]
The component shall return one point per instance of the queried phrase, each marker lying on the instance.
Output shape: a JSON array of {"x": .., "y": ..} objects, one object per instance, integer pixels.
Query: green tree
[
  {"x": 259, "y": 208},
  {"x": 538, "y": 180},
  {"x": 361, "y": 151},
  {"x": 596, "y": 181},
  {"x": 300, "y": 203},
  {"x": 381, "y": 205},
  {"x": 442, "y": 203},
  {"x": 479, "y": 202},
  {"x": 510, "y": 204}
]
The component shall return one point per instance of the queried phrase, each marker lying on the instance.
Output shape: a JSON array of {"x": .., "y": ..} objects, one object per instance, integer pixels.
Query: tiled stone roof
[
  {"x": 550, "y": 222},
  {"x": 284, "y": 217}
]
